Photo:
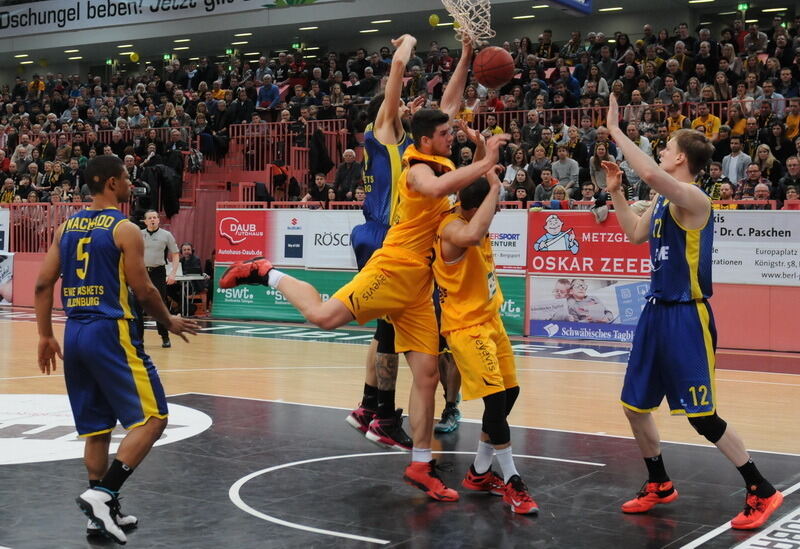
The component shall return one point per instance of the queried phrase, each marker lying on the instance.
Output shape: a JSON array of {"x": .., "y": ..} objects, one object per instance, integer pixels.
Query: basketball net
[{"x": 473, "y": 18}]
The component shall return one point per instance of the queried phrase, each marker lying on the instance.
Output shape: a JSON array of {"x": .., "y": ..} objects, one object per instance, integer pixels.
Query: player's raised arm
[
  {"x": 688, "y": 197},
  {"x": 388, "y": 127},
  {"x": 423, "y": 179},
  {"x": 129, "y": 239},
  {"x": 454, "y": 92},
  {"x": 43, "y": 300},
  {"x": 637, "y": 228},
  {"x": 457, "y": 236}
]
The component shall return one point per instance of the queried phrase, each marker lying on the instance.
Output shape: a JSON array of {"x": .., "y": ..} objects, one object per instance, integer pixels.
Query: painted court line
[
  {"x": 235, "y": 497},
  {"x": 764, "y": 539},
  {"x": 722, "y": 528},
  {"x": 479, "y": 421}
]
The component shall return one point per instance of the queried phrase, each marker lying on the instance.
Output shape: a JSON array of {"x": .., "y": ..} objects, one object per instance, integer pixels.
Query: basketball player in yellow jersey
[
  {"x": 471, "y": 298},
  {"x": 397, "y": 281}
]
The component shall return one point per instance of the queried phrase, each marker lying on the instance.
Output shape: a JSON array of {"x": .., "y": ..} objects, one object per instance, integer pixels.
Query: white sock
[
  {"x": 273, "y": 277},
  {"x": 483, "y": 458},
  {"x": 421, "y": 454},
  {"x": 506, "y": 463}
]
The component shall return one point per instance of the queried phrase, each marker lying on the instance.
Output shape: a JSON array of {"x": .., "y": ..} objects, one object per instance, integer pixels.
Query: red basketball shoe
[
  {"x": 756, "y": 511},
  {"x": 251, "y": 271},
  {"x": 651, "y": 494}
]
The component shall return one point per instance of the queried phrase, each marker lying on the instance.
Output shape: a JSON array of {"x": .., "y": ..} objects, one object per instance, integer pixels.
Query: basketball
[{"x": 493, "y": 67}]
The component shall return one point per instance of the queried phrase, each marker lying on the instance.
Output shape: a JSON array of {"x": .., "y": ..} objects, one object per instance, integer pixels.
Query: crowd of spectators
[{"x": 740, "y": 88}]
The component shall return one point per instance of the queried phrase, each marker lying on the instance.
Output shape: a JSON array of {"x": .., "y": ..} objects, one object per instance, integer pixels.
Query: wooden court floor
[{"x": 557, "y": 393}]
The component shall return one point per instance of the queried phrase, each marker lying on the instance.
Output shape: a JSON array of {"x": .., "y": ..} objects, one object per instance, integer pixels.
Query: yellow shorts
[
  {"x": 398, "y": 285},
  {"x": 484, "y": 358}
]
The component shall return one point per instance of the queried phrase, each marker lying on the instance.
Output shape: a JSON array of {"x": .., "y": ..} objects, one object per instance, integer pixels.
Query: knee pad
[
  {"x": 711, "y": 427},
  {"x": 494, "y": 418},
  {"x": 511, "y": 398},
  {"x": 384, "y": 335}
]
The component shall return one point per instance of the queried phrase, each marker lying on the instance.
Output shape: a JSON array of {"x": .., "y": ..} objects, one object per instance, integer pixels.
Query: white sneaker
[
  {"x": 126, "y": 522},
  {"x": 98, "y": 505}
]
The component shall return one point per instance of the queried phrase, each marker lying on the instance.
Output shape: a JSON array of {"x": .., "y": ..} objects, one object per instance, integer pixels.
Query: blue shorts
[
  {"x": 365, "y": 239},
  {"x": 673, "y": 356},
  {"x": 109, "y": 377}
]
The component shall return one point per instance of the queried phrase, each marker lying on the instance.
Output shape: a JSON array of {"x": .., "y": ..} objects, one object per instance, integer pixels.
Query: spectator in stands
[
  {"x": 746, "y": 187},
  {"x": 735, "y": 164},
  {"x": 318, "y": 192},
  {"x": 349, "y": 176},
  {"x": 771, "y": 167},
  {"x": 755, "y": 41},
  {"x": 544, "y": 191},
  {"x": 7, "y": 192},
  {"x": 537, "y": 163},
  {"x": 596, "y": 172},
  {"x": 360, "y": 194},
  {"x": 792, "y": 194},
  {"x": 566, "y": 170},
  {"x": 713, "y": 180},
  {"x": 710, "y": 122}
]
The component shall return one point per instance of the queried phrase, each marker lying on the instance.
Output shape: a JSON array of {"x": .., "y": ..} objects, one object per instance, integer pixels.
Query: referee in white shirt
[{"x": 157, "y": 244}]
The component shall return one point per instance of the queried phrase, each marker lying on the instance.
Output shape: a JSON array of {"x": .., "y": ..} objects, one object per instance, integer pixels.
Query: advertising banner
[
  {"x": 5, "y": 217},
  {"x": 572, "y": 243},
  {"x": 286, "y": 236},
  {"x": 509, "y": 236},
  {"x": 6, "y": 278},
  {"x": 513, "y": 309},
  {"x": 585, "y": 308},
  {"x": 241, "y": 234},
  {"x": 63, "y": 15},
  {"x": 328, "y": 239},
  {"x": 263, "y": 303},
  {"x": 757, "y": 247}
]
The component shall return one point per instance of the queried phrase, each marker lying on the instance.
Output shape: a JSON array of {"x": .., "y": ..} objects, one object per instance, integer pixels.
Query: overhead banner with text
[{"x": 64, "y": 15}]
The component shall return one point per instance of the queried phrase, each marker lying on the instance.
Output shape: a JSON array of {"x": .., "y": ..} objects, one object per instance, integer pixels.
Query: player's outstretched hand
[
  {"x": 613, "y": 176},
  {"x": 416, "y": 104},
  {"x": 397, "y": 42},
  {"x": 49, "y": 349},
  {"x": 180, "y": 326},
  {"x": 494, "y": 144},
  {"x": 612, "y": 120}
]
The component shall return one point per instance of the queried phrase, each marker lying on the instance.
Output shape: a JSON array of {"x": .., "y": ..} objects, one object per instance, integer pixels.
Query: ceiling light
[
  {"x": 308, "y": 28},
  {"x": 253, "y": 53},
  {"x": 148, "y": 62},
  {"x": 312, "y": 48},
  {"x": 367, "y": 31},
  {"x": 540, "y": 6},
  {"x": 281, "y": 51},
  {"x": 705, "y": 22},
  {"x": 192, "y": 59},
  {"x": 381, "y": 21},
  {"x": 125, "y": 53},
  {"x": 71, "y": 51},
  {"x": 179, "y": 40},
  {"x": 75, "y": 58},
  {"x": 774, "y": 9},
  {"x": 181, "y": 48},
  {"x": 700, "y": 1},
  {"x": 524, "y": 17},
  {"x": 125, "y": 46},
  {"x": 616, "y": 8},
  {"x": 26, "y": 62},
  {"x": 611, "y": 41},
  {"x": 310, "y": 56},
  {"x": 450, "y": 24},
  {"x": 241, "y": 43},
  {"x": 751, "y": 20},
  {"x": 244, "y": 34},
  {"x": 21, "y": 55},
  {"x": 728, "y": 13}
]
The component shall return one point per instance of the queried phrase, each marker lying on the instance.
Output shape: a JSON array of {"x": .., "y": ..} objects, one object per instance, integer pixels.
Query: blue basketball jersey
[
  {"x": 92, "y": 266},
  {"x": 681, "y": 258},
  {"x": 383, "y": 164}
]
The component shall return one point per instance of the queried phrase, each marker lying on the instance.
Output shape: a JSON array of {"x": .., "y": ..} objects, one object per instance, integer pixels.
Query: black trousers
[{"x": 158, "y": 276}]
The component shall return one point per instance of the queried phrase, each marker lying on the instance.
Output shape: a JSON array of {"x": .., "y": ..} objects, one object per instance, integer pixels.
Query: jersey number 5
[{"x": 82, "y": 254}]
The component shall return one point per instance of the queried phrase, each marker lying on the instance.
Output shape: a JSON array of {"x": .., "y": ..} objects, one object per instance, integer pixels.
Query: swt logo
[{"x": 236, "y": 232}]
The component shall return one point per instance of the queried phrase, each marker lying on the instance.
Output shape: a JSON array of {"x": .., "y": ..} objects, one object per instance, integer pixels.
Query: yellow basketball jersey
[
  {"x": 468, "y": 288},
  {"x": 415, "y": 217}
]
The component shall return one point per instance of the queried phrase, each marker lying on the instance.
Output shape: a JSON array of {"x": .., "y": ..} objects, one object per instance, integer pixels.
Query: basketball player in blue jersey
[
  {"x": 98, "y": 254},
  {"x": 385, "y": 141},
  {"x": 675, "y": 340}
]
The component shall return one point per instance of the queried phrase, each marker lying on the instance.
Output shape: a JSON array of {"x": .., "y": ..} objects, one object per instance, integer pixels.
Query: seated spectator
[
  {"x": 360, "y": 194},
  {"x": 791, "y": 194},
  {"x": 735, "y": 164},
  {"x": 544, "y": 191},
  {"x": 537, "y": 163},
  {"x": 747, "y": 186},
  {"x": 587, "y": 195},
  {"x": 566, "y": 170},
  {"x": 762, "y": 191},
  {"x": 725, "y": 193},
  {"x": 318, "y": 192},
  {"x": 771, "y": 168},
  {"x": 521, "y": 195},
  {"x": 596, "y": 171},
  {"x": 713, "y": 181},
  {"x": 349, "y": 176},
  {"x": 7, "y": 191}
]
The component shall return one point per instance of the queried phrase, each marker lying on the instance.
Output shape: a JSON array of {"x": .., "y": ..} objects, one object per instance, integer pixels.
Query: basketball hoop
[{"x": 473, "y": 18}]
